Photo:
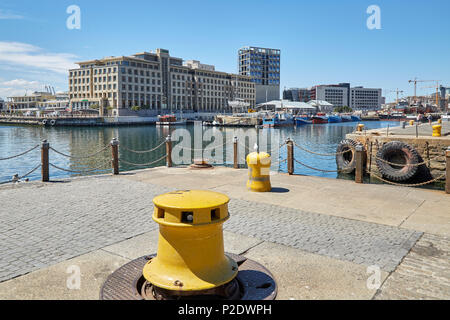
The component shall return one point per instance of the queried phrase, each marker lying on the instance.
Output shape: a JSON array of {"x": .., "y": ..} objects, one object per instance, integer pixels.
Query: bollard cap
[
  {"x": 190, "y": 207},
  {"x": 114, "y": 142}
]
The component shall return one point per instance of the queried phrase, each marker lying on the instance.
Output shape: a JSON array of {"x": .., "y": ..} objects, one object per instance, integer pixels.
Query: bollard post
[
  {"x": 169, "y": 151},
  {"x": 115, "y": 155},
  {"x": 44, "y": 161},
  {"x": 290, "y": 156},
  {"x": 359, "y": 158},
  {"x": 235, "y": 153},
  {"x": 417, "y": 131},
  {"x": 447, "y": 172}
]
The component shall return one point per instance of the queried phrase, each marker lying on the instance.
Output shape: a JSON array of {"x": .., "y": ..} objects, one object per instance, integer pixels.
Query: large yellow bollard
[
  {"x": 360, "y": 127},
  {"x": 259, "y": 172},
  {"x": 190, "y": 247},
  {"x": 437, "y": 130}
]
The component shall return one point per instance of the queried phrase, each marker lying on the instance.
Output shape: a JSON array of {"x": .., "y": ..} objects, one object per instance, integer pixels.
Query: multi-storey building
[
  {"x": 263, "y": 66},
  {"x": 155, "y": 82},
  {"x": 365, "y": 98},
  {"x": 297, "y": 94},
  {"x": 28, "y": 102},
  {"x": 335, "y": 94},
  {"x": 2, "y": 104}
]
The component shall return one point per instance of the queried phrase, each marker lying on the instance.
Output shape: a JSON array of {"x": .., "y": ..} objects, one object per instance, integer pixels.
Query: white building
[
  {"x": 293, "y": 107},
  {"x": 322, "y": 106},
  {"x": 365, "y": 99},
  {"x": 336, "y": 95}
]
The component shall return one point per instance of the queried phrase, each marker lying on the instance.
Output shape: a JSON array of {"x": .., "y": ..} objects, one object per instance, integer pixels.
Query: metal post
[
  {"x": 359, "y": 158},
  {"x": 44, "y": 161},
  {"x": 417, "y": 131},
  {"x": 115, "y": 155},
  {"x": 290, "y": 156},
  {"x": 235, "y": 153},
  {"x": 169, "y": 151},
  {"x": 447, "y": 172}
]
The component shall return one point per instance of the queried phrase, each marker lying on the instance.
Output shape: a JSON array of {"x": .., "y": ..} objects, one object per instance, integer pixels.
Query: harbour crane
[
  {"x": 397, "y": 92},
  {"x": 437, "y": 92},
  {"x": 415, "y": 81}
]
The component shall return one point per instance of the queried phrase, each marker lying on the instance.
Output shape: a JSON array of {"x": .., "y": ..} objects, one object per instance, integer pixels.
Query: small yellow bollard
[
  {"x": 437, "y": 130},
  {"x": 411, "y": 122},
  {"x": 439, "y": 121},
  {"x": 360, "y": 127},
  {"x": 190, "y": 247},
  {"x": 259, "y": 172}
]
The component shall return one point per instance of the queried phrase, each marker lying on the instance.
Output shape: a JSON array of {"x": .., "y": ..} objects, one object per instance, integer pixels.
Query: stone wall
[{"x": 427, "y": 147}]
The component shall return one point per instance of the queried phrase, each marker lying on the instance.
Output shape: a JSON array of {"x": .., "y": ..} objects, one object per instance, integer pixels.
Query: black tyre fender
[
  {"x": 52, "y": 122},
  {"x": 44, "y": 122},
  {"x": 346, "y": 162},
  {"x": 401, "y": 153}
]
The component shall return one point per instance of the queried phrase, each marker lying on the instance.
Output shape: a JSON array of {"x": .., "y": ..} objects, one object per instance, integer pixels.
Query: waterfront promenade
[{"x": 318, "y": 236}]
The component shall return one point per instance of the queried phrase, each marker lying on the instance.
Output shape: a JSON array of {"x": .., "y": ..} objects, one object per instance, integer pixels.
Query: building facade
[
  {"x": 263, "y": 66},
  {"x": 334, "y": 94},
  {"x": 365, "y": 98},
  {"x": 297, "y": 94},
  {"x": 2, "y": 105},
  {"x": 28, "y": 102},
  {"x": 155, "y": 82}
]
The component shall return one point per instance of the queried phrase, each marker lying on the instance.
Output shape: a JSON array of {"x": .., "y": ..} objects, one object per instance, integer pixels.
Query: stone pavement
[{"x": 47, "y": 225}]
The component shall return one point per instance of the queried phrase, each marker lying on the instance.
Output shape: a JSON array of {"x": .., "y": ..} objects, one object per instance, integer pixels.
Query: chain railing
[{"x": 143, "y": 151}]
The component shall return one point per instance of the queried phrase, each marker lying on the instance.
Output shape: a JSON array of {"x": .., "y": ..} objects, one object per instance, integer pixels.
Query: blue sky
[{"x": 323, "y": 41}]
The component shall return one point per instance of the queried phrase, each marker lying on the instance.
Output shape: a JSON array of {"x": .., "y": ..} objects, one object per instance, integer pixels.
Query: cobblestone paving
[
  {"x": 344, "y": 239},
  {"x": 46, "y": 224},
  {"x": 423, "y": 274}
]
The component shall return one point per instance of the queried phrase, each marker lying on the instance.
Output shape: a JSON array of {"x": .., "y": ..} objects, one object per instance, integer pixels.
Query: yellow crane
[
  {"x": 415, "y": 81},
  {"x": 437, "y": 92}
]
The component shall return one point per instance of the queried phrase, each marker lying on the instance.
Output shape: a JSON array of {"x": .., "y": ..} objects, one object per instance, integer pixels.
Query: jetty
[{"x": 321, "y": 238}]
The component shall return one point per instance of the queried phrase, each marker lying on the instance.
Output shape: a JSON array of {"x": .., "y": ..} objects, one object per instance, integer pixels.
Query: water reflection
[{"x": 82, "y": 141}]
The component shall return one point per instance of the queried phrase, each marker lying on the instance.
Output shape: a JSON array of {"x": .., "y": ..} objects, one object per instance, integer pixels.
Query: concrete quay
[{"x": 321, "y": 238}]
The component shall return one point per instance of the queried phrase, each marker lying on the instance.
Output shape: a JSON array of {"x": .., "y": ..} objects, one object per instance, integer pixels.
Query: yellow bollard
[
  {"x": 439, "y": 121},
  {"x": 190, "y": 247},
  {"x": 411, "y": 122},
  {"x": 437, "y": 130},
  {"x": 259, "y": 172},
  {"x": 360, "y": 127}
]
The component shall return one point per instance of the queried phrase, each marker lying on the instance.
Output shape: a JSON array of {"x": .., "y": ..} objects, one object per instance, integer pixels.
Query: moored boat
[
  {"x": 169, "y": 120},
  {"x": 302, "y": 120},
  {"x": 319, "y": 118},
  {"x": 346, "y": 118},
  {"x": 334, "y": 118}
]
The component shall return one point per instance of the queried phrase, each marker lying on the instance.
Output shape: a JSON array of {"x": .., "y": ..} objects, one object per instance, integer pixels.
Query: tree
[
  {"x": 94, "y": 106},
  {"x": 135, "y": 108},
  {"x": 343, "y": 109}
]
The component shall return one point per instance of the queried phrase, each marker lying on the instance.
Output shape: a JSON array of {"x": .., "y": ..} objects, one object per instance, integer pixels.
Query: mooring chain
[
  {"x": 407, "y": 185},
  {"x": 80, "y": 157},
  {"x": 142, "y": 164},
  {"x": 20, "y": 154},
  {"x": 205, "y": 149},
  {"x": 312, "y": 168},
  {"x": 80, "y": 171},
  {"x": 24, "y": 176},
  {"x": 409, "y": 164},
  {"x": 143, "y": 151},
  {"x": 322, "y": 154}
]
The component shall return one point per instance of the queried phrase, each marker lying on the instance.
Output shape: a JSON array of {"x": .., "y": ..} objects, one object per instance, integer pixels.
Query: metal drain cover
[{"x": 255, "y": 281}]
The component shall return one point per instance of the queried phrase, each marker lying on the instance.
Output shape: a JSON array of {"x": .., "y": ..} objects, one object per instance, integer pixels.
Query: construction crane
[
  {"x": 397, "y": 92},
  {"x": 415, "y": 81},
  {"x": 437, "y": 92}
]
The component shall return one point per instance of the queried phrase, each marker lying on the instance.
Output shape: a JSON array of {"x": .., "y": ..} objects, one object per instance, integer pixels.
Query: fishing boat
[
  {"x": 320, "y": 118},
  {"x": 334, "y": 118},
  {"x": 278, "y": 119},
  {"x": 169, "y": 120},
  {"x": 346, "y": 118},
  {"x": 302, "y": 120},
  {"x": 355, "y": 118}
]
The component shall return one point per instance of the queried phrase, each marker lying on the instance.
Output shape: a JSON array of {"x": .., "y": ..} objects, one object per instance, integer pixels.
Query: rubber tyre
[
  {"x": 397, "y": 152},
  {"x": 346, "y": 162}
]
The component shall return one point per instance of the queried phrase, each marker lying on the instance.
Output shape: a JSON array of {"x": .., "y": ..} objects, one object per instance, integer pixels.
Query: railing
[{"x": 358, "y": 152}]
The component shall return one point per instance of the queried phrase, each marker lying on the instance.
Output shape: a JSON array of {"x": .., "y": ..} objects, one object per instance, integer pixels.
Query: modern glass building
[{"x": 263, "y": 66}]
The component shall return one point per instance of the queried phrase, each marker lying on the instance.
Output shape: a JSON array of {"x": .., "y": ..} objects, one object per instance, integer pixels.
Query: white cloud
[
  {"x": 7, "y": 15},
  {"x": 27, "y": 55},
  {"x": 17, "y": 87}
]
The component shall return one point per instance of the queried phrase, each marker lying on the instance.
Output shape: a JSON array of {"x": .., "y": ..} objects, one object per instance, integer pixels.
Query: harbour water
[{"x": 79, "y": 142}]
